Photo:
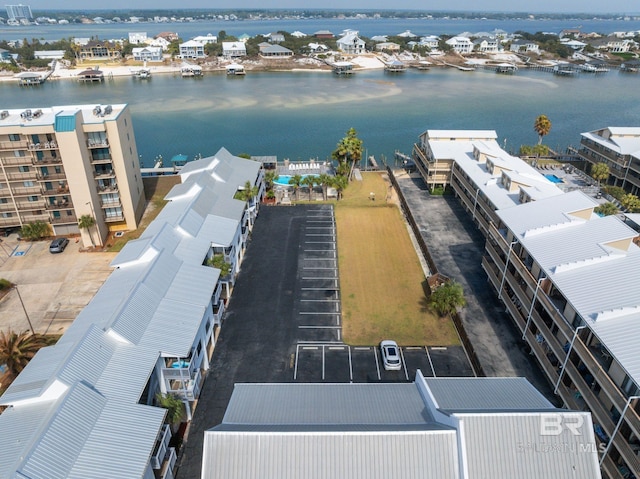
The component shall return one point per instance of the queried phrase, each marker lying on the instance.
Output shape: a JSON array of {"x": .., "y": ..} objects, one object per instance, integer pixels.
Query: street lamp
[
  {"x": 93, "y": 215},
  {"x": 15, "y": 286}
]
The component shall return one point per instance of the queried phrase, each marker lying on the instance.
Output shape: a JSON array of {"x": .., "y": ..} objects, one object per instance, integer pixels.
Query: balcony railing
[
  {"x": 104, "y": 174},
  {"x": 14, "y": 145},
  {"x": 64, "y": 219},
  {"x": 162, "y": 447},
  {"x": 21, "y": 176},
  {"x": 47, "y": 145},
  {"x": 49, "y": 160},
  {"x": 114, "y": 218},
  {"x": 101, "y": 161},
  {"x": 27, "y": 190},
  {"x": 59, "y": 205},
  {"x": 13, "y": 221},
  {"x": 51, "y": 176},
  {"x": 29, "y": 205},
  {"x": 16, "y": 160},
  {"x": 103, "y": 190},
  {"x": 218, "y": 311},
  {"x": 111, "y": 203},
  {"x": 102, "y": 143}
]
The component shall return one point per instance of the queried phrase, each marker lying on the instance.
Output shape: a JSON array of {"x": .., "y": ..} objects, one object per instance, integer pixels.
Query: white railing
[{"x": 161, "y": 448}]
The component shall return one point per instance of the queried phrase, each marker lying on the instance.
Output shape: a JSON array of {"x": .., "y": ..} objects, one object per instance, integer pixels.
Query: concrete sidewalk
[{"x": 457, "y": 246}]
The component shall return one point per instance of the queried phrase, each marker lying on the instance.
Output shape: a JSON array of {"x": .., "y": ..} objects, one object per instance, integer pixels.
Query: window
[
  {"x": 14, "y": 137},
  {"x": 23, "y": 169},
  {"x": 7, "y": 215},
  {"x": 18, "y": 153},
  {"x": 28, "y": 184},
  {"x": 32, "y": 198},
  {"x": 3, "y": 200}
]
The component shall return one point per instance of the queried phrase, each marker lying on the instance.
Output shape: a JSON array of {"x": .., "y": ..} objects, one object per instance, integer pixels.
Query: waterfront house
[
  {"x": 234, "y": 49},
  {"x": 159, "y": 42},
  {"x": 151, "y": 328},
  {"x": 168, "y": 36},
  {"x": 192, "y": 49},
  {"x": 326, "y": 34},
  {"x": 461, "y": 45},
  {"x": 147, "y": 54},
  {"x": 351, "y": 44},
  {"x": 387, "y": 46},
  {"x": 205, "y": 39},
  {"x": 317, "y": 48},
  {"x": 99, "y": 50},
  {"x": 573, "y": 44},
  {"x": 137, "y": 38},
  {"x": 46, "y": 54},
  {"x": 275, "y": 37},
  {"x": 486, "y": 45},
  {"x": 446, "y": 428},
  {"x": 524, "y": 46},
  {"x": 268, "y": 50},
  {"x": 431, "y": 41}
]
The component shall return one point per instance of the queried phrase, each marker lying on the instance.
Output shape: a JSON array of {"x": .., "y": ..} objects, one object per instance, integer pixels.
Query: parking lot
[
  {"x": 337, "y": 363},
  {"x": 54, "y": 287}
]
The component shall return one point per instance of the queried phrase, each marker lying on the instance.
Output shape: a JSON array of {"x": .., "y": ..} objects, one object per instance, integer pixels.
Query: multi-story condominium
[
  {"x": 19, "y": 12},
  {"x": 59, "y": 163},
  {"x": 99, "y": 50},
  {"x": 87, "y": 406},
  {"x": 445, "y": 428},
  {"x": 569, "y": 279},
  {"x": 619, "y": 148}
]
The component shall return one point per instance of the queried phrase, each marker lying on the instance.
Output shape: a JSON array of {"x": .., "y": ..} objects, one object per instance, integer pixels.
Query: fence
[{"x": 433, "y": 269}]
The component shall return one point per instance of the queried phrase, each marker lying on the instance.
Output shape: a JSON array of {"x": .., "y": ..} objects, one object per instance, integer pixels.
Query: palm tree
[
  {"x": 246, "y": 192},
  {"x": 324, "y": 181},
  {"x": 542, "y": 127},
  {"x": 606, "y": 209},
  {"x": 174, "y": 406},
  {"x": 348, "y": 151},
  {"x": 630, "y": 202},
  {"x": 269, "y": 178},
  {"x": 309, "y": 181},
  {"x": 16, "y": 350},
  {"x": 340, "y": 183},
  {"x": 296, "y": 181},
  {"x": 86, "y": 222},
  {"x": 600, "y": 172},
  {"x": 447, "y": 298}
]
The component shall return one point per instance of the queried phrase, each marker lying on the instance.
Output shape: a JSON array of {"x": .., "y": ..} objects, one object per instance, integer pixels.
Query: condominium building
[
  {"x": 619, "y": 149},
  {"x": 59, "y": 163},
  {"x": 19, "y": 12},
  {"x": 87, "y": 406},
  {"x": 569, "y": 279}
]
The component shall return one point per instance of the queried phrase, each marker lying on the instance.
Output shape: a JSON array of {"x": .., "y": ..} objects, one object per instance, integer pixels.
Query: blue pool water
[
  {"x": 283, "y": 180},
  {"x": 554, "y": 179}
]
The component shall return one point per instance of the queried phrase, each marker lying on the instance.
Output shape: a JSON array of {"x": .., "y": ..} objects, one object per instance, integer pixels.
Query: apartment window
[
  {"x": 69, "y": 213},
  {"x": 32, "y": 198},
  {"x": 18, "y": 153},
  {"x": 23, "y": 169},
  {"x": 3, "y": 200},
  {"x": 7, "y": 215},
  {"x": 58, "y": 169},
  {"x": 14, "y": 137},
  {"x": 28, "y": 184}
]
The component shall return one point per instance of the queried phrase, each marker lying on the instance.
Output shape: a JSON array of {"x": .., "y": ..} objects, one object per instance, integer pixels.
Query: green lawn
[{"x": 381, "y": 279}]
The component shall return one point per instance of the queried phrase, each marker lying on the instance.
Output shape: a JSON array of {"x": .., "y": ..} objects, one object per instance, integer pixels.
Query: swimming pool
[
  {"x": 283, "y": 180},
  {"x": 554, "y": 179}
]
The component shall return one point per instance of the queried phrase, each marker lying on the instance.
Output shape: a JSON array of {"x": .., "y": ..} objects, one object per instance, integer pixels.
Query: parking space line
[
  {"x": 413, "y": 348},
  {"x": 319, "y": 289},
  {"x": 317, "y": 327},
  {"x": 375, "y": 353},
  {"x": 337, "y": 348},
  {"x": 318, "y": 259},
  {"x": 404, "y": 365},
  {"x": 430, "y": 362},
  {"x": 310, "y": 347},
  {"x": 323, "y": 362},
  {"x": 319, "y": 277},
  {"x": 320, "y": 242},
  {"x": 350, "y": 367},
  {"x": 318, "y": 269},
  {"x": 318, "y": 300},
  {"x": 362, "y": 348},
  {"x": 311, "y": 312},
  {"x": 295, "y": 369}
]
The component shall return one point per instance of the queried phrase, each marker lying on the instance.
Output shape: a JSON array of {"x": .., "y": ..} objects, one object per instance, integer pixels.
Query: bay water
[{"x": 302, "y": 115}]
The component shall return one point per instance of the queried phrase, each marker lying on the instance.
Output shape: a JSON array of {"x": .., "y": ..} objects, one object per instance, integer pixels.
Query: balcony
[
  {"x": 183, "y": 382},
  {"x": 218, "y": 311},
  {"x": 47, "y": 145},
  {"x": 111, "y": 203},
  {"x": 99, "y": 143},
  {"x": 114, "y": 218},
  {"x": 27, "y": 218},
  {"x": 26, "y": 190},
  {"x": 105, "y": 189},
  {"x": 162, "y": 447},
  {"x": 65, "y": 219},
  {"x": 20, "y": 176},
  {"x": 16, "y": 160},
  {"x": 48, "y": 160},
  {"x": 14, "y": 145},
  {"x": 103, "y": 174},
  {"x": 59, "y": 205},
  {"x": 13, "y": 221},
  {"x": 8, "y": 206},
  {"x": 51, "y": 176},
  {"x": 29, "y": 205},
  {"x": 101, "y": 161}
]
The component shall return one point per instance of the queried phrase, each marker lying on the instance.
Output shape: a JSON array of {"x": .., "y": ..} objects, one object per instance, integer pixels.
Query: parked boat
[{"x": 142, "y": 74}]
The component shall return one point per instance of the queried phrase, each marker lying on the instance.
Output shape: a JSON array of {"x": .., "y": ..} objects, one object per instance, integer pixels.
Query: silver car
[{"x": 390, "y": 355}]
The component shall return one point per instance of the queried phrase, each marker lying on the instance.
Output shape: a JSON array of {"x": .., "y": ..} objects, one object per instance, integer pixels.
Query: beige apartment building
[{"x": 59, "y": 163}]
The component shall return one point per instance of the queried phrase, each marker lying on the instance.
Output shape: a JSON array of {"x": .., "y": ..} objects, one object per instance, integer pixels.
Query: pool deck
[
  {"x": 572, "y": 179},
  {"x": 304, "y": 168}
]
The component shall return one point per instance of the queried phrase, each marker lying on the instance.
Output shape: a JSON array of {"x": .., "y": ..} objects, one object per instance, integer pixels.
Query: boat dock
[
  {"x": 460, "y": 67},
  {"x": 91, "y": 75},
  {"x": 188, "y": 70},
  {"x": 342, "y": 68},
  {"x": 235, "y": 69}
]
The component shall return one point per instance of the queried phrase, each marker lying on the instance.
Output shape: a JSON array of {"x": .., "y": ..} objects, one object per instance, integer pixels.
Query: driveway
[{"x": 54, "y": 287}]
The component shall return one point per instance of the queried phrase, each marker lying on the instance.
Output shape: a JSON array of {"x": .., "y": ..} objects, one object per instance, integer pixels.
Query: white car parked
[{"x": 390, "y": 355}]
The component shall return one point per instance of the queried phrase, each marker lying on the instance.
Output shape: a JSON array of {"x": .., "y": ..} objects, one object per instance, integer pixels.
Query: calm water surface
[{"x": 303, "y": 115}]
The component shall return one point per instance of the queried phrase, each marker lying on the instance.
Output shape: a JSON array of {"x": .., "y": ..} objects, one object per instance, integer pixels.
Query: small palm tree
[
  {"x": 542, "y": 127},
  {"x": 247, "y": 192},
  {"x": 269, "y": 178},
  {"x": 296, "y": 181},
  {"x": 606, "y": 209},
  {"x": 86, "y": 222},
  {"x": 324, "y": 181},
  {"x": 309, "y": 181},
  {"x": 340, "y": 183},
  {"x": 447, "y": 298},
  {"x": 174, "y": 406},
  {"x": 600, "y": 172},
  {"x": 16, "y": 350}
]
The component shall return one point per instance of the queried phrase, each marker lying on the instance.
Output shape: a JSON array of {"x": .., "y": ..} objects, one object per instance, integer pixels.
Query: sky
[{"x": 538, "y": 6}]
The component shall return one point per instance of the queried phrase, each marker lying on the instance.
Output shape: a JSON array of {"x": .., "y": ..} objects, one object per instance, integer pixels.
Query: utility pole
[{"x": 24, "y": 309}]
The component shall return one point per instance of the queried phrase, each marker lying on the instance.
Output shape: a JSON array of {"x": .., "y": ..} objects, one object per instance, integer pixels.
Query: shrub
[
  {"x": 5, "y": 284},
  {"x": 615, "y": 191}
]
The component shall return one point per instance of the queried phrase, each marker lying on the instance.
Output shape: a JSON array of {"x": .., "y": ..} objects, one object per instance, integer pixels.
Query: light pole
[
  {"x": 93, "y": 215},
  {"x": 15, "y": 286}
]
